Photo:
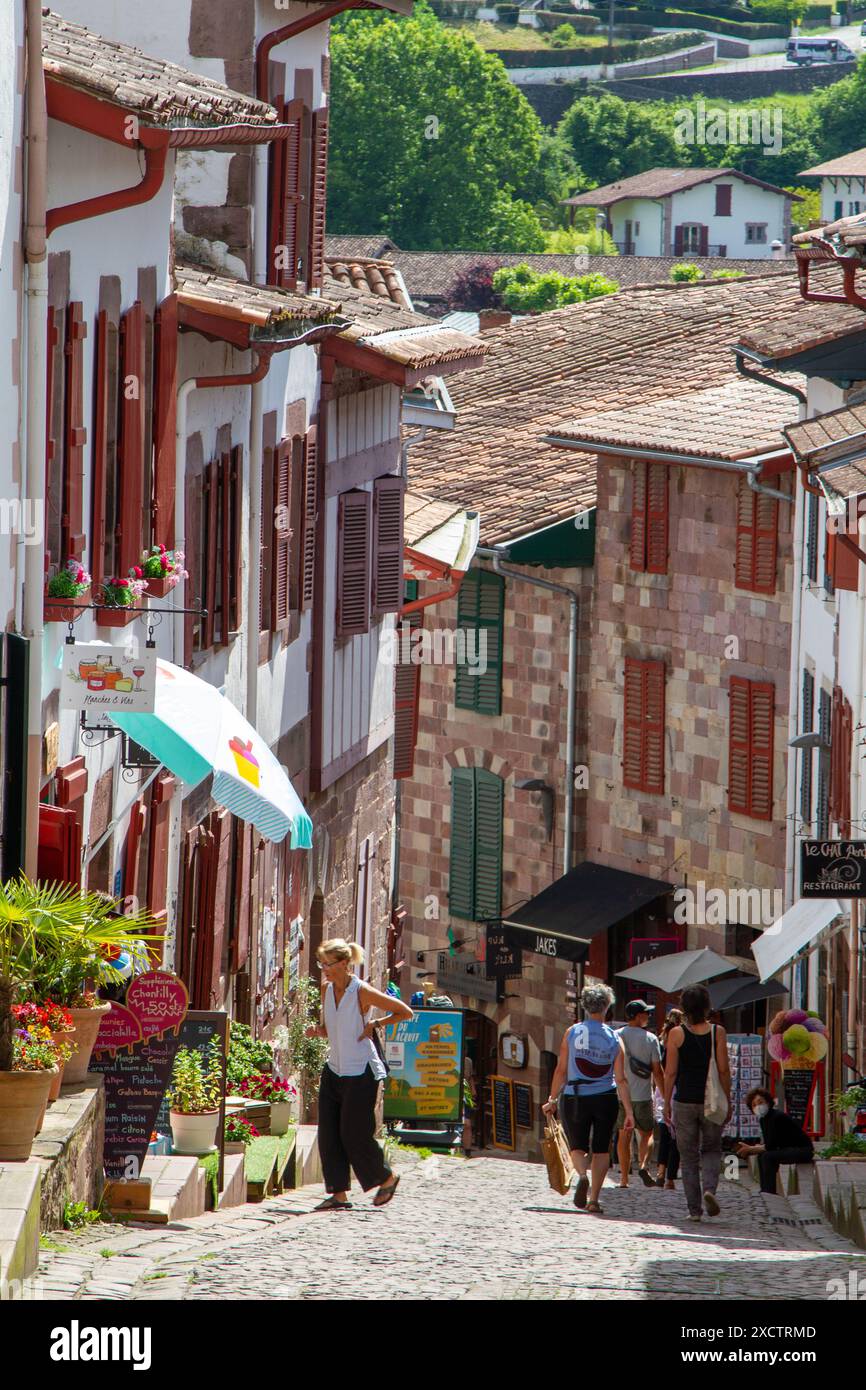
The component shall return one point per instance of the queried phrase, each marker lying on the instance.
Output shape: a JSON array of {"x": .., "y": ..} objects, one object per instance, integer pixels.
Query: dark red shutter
[
  {"x": 637, "y": 540},
  {"x": 240, "y": 951},
  {"x": 164, "y": 419},
  {"x": 232, "y": 502},
  {"x": 644, "y": 725},
  {"x": 353, "y": 563},
  {"x": 757, "y": 536},
  {"x": 704, "y": 242},
  {"x": 762, "y": 703},
  {"x": 157, "y": 856},
  {"x": 266, "y": 539},
  {"x": 315, "y": 269},
  {"x": 99, "y": 466},
  {"x": 387, "y": 544},
  {"x": 221, "y": 824},
  {"x": 75, "y": 432},
  {"x": 281, "y": 548},
  {"x": 286, "y": 198},
  {"x": 59, "y": 848},
  {"x": 739, "y": 742},
  {"x": 657, "y": 518},
  {"x": 132, "y": 399},
  {"x": 723, "y": 199},
  {"x": 841, "y": 739},
  {"x": 53, "y": 444},
  {"x": 308, "y": 559},
  {"x": 842, "y": 563},
  {"x": 132, "y": 859},
  {"x": 210, "y": 510},
  {"x": 678, "y": 241},
  {"x": 407, "y": 690},
  {"x": 750, "y": 748}
]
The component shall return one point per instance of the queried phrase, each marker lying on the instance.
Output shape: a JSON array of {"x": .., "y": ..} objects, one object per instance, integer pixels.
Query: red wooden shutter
[
  {"x": 210, "y": 498},
  {"x": 750, "y": 748},
  {"x": 240, "y": 952},
  {"x": 315, "y": 269},
  {"x": 164, "y": 413},
  {"x": 678, "y": 241},
  {"x": 286, "y": 198},
  {"x": 841, "y": 563},
  {"x": 762, "y": 702},
  {"x": 308, "y": 559},
  {"x": 841, "y": 737},
  {"x": 59, "y": 846},
  {"x": 99, "y": 466},
  {"x": 75, "y": 433},
  {"x": 644, "y": 725},
  {"x": 187, "y": 906},
  {"x": 132, "y": 860},
  {"x": 739, "y": 741},
  {"x": 407, "y": 690},
  {"x": 657, "y": 518},
  {"x": 267, "y": 539},
  {"x": 632, "y": 738},
  {"x": 221, "y": 823},
  {"x": 637, "y": 540},
  {"x": 157, "y": 854},
  {"x": 281, "y": 544},
  {"x": 53, "y": 444},
  {"x": 704, "y": 242},
  {"x": 235, "y": 499},
  {"x": 723, "y": 199},
  {"x": 387, "y": 544},
  {"x": 757, "y": 537},
  {"x": 353, "y": 563},
  {"x": 132, "y": 397}
]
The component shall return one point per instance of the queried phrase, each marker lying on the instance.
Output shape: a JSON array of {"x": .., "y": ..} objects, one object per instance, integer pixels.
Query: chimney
[
  {"x": 777, "y": 251},
  {"x": 492, "y": 318}
]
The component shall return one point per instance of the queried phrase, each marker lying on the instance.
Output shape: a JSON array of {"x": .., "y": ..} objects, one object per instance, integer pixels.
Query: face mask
[{"x": 761, "y": 1111}]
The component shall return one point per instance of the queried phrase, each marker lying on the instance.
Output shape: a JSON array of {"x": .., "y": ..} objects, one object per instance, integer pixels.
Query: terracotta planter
[
  {"x": 64, "y": 610},
  {"x": 23, "y": 1098},
  {"x": 233, "y": 1146},
  {"x": 160, "y": 588},
  {"x": 66, "y": 1035},
  {"x": 87, "y": 1023},
  {"x": 194, "y": 1134},
  {"x": 115, "y": 617}
]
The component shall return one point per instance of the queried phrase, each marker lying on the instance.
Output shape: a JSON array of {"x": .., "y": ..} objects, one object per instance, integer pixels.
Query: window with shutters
[
  {"x": 842, "y": 564},
  {"x": 475, "y": 877},
  {"x": 841, "y": 740},
  {"x": 806, "y": 754},
  {"x": 643, "y": 746},
  {"x": 298, "y": 177},
  {"x": 289, "y": 513},
  {"x": 812, "y": 520},
  {"x": 407, "y": 687},
  {"x": 822, "y": 800},
  {"x": 66, "y": 435},
  {"x": 750, "y": 748},
  {"x": 648, "y": 548},
  {"x": 105, "y": 557},
  {"x": 723, "y": 199},
  {"x": 387, "y": 563},
  {"x": 354, "y": 515},
  {"x": 480, "y": 621},
  {"x": 757, "y": 533},
  {"x": 215, "y": 563},
  {"x": 132, "y": 436}
]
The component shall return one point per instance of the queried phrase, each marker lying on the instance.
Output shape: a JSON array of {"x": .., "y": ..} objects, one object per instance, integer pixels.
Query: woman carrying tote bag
[
  {"x": 351, "y": 1077},
  {"x": 698, "y": 1099}
]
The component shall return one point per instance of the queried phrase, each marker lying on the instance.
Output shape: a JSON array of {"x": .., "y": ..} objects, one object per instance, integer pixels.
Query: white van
[{"x": 805, "y": 52}]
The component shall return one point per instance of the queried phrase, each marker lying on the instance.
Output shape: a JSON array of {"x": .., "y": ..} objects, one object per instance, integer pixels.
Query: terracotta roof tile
[
  {"x": 817, "y": 325},
  {"x": 852, "y": 163},
  {"x": 407, "y": 338},
  {"x": 163, "y": 92},
  {"x": 423, "y": 515},
  {"x": 630, "y": 349},
  {"x": 835, "y": 445},
  {"x": 370, "y": 277},
  {"x": 264, "y": 307},
  {"x": 657, "y": 183},
  {"x": 728, "y": 422}
]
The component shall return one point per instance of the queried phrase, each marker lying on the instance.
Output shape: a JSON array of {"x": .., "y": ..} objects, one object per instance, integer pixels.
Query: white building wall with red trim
[{"x": 12, "y": 326}]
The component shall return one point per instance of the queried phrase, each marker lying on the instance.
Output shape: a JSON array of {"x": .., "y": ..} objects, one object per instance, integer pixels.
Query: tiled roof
[
  {"x": 429, "y": 275},
  {"x": 822, "y": 324},
  {"x": 263, "y": 307},
  {"x": 835, "y": 445},
  {"x": 853, "y": 163},
  {"x": 372, "y": 247},
  {"x": 657, "y": 183},
  {"x": 726, "y": 422},
  {"x": 374, "y": 277},
  {"x": 162, "y": 92},
  {"x": 629, "y": 349},
  {"x": 847, "y": 234},
  {"x": 409, "y": 339},
  {"x": 423, "y": 515}
]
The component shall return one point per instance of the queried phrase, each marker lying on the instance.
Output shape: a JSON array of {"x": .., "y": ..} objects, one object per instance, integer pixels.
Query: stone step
[
  {"x": 19, "y": 1226},
  {"x": 178, "y": 1187},
  {"x": 234, "y": 1193},
  {"x": 308, "y": 1165}
]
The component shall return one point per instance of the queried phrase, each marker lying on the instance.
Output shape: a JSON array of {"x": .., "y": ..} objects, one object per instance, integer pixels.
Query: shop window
[
  {"x": 480, "y": 620},
  {"x": 750, "y": 748},
  {"x": 643, "y": 760},
  {"x": 475, "y": 878}
]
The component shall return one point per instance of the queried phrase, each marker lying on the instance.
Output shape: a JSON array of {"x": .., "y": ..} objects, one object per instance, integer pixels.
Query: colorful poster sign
[
  {"x": 160, "y": 1000},
  {"x": 425, "y": 1054},
  {"x": 102, "y": 679},
  {"x": 746, "y": 1064}
]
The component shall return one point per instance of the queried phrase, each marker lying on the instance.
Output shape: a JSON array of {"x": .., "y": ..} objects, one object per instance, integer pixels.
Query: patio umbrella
[
  {"x": 672, "y": 973},
  {"x": 741, "y": 989},
  {"x": 194, "y": 731}
]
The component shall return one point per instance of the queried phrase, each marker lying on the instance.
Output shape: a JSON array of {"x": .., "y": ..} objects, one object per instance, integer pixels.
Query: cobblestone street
[{"x": 479, "y": 1229}]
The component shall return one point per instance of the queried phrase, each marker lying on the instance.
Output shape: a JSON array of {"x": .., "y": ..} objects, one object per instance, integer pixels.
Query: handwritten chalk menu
[
  {"x": 502, "y": 957},
  {"x": 744, "y": 1056},
  {"x": 799, "y": 1090},
  {"x": 503, "y": 1112},
  {"x": 197, "y": 1031},
  {"x": 159, "y": 1000},
  {"x": 523, "y": 1105}
]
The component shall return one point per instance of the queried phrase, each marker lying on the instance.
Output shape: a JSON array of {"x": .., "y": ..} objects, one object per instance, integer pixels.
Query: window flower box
[{"x": 66, "y": 594}]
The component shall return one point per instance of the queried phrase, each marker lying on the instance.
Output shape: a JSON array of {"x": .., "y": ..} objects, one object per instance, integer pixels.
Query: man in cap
[{"x": 643, "y": 1065}]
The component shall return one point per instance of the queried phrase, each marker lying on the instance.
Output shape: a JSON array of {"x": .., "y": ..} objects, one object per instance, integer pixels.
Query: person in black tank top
[{"x": 689, "y": 1052}]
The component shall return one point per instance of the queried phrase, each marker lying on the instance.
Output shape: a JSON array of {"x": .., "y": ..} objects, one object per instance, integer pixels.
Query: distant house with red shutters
[{"x": 693, "y": 212}]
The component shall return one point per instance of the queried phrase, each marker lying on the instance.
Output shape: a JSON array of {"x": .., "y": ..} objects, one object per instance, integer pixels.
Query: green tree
[
  {"x": 778, "y": 11},
  {"x": 526, "y": 291},
  {"x": 840, "y": 114},
  {"x": 429, "y": 139},
  {"x": 612, "y": 139}
]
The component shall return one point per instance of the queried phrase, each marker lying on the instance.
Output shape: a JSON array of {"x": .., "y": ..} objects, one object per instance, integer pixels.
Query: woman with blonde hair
[{"x": 349, "y": 1087}]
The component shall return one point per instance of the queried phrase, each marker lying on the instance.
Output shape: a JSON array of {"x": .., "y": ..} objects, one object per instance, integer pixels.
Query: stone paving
[{"x": 484, "y": 1228}]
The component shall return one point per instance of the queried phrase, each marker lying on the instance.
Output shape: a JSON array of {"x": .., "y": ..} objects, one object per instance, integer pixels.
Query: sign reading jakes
[{"x": 833, "y": 869}]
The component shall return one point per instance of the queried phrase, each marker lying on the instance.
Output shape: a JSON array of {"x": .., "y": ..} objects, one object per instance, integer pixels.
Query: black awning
[{"x": 562, "y": 920}]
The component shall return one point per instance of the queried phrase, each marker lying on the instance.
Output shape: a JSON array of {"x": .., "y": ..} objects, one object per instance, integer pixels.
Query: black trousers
[
  {"x": 770, "y": 1163},
  {"x": 347, "y": 1128},
  {"x": 669, "y": 1154}
]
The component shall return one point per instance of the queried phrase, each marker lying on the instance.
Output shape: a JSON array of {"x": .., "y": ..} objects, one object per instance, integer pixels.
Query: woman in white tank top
[{"x": 349, "y": 1087}]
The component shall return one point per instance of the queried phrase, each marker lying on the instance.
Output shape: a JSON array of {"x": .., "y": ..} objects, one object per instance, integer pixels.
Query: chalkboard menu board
[
  {"x": 503, "y": 1112},
  {"x": 523, "y": 1105},
  {"x": 197, "y": 1031},
  {"x": 503, "y": 959},
  {"x": 799, "y": 1089},
  {"x": 135, "y": 1081}
]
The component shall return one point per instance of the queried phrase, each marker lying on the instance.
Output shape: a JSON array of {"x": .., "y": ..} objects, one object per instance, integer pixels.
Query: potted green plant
[
  {"x": 163, "y": 569},
  {"x": 305, "y": 1056},
  {"x": 281, "y": 1096},
  {"x": 238, "y": 1133},
  {"x": 56, "y": 1022},
  {"x": 194, "y": 1099},
  {"x": 119, "y": 595},
  {"x": 66, "y": 593}
]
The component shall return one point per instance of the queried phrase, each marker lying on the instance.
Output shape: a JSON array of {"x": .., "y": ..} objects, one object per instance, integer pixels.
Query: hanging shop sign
[
  {"x": 833, "y": 868},
  {"x": 101, "y": 679},
  {"x": 462, "y": 975},
  {"x": 503, "y": 958},
  {"x": 514, "y": 1049},
  {"x": 553, "y": 946},
  {"x": 425, "y": 1055}
]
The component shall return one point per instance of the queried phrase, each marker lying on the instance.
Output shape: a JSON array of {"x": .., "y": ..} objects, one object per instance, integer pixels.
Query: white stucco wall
[
  {"x": 645, "y": 214},
  {"x": 12, "y": 462},
  {"x": 748, "y": 204},
  {"x": 850, "y": 192}
]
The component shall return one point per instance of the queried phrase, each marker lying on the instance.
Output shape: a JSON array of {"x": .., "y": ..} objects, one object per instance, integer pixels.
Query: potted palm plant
[{"x": 194, "y": 1099}]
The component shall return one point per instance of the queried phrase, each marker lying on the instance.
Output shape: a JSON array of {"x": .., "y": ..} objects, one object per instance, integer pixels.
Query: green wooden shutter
[
  {"x": 480, "y": 605},
  {"x": 488, "y": 845},
  {"x": 461, "y": 882}
]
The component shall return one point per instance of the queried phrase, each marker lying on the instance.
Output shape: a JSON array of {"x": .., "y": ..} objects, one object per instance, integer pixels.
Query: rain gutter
[{"x": 748, "y": 468}]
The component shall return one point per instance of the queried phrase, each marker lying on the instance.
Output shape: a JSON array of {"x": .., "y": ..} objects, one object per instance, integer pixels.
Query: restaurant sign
[
  {"x": 102, "y": 679},
  {"x": 540, "y": 943},
  {"x": 833, "y": 868}
]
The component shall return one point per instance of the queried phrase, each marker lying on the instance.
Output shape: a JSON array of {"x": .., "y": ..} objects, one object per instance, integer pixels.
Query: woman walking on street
[
  {"x": 669, "y": 1154},
  {"x": 690, "y": 1049},
  {"x": 351, "y": 1076},
  {"x": 591, "y": 1069}
]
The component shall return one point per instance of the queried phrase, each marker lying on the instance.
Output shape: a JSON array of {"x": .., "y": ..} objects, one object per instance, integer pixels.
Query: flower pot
[
  {"x": 114, "y": 617},
  {"x": 234, "y": 1146},
  {"x": 194, "y": 1134},
  {"x": 159, "y": 588},
  {"x": 281, "y": 1115},
  {"x": 23, "y": 1098},
  {"x": 87, "y": 1023},
  {"x": 64, "y": 610},
  {"x": 65, "y": 1035}
]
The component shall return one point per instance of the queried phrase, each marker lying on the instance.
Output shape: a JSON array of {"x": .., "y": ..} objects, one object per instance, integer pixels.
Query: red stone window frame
[
  {"x": 643, "y": 748},
  {"x": 650, "y": 511},
  {"x": 757, "y": 541},
  {"x": 750, "y": 748}
]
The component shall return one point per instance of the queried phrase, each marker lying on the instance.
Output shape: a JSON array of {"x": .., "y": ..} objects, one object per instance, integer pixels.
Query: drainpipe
[
  {"x": 141, "y": 192},
  {"x": 289, "y": 31},
  {"x": 791, "y": 807},
  {"x": 497, "y": 554},
  {"x": 749, "y": 469},
  {"x": 36, "y": 296}
]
